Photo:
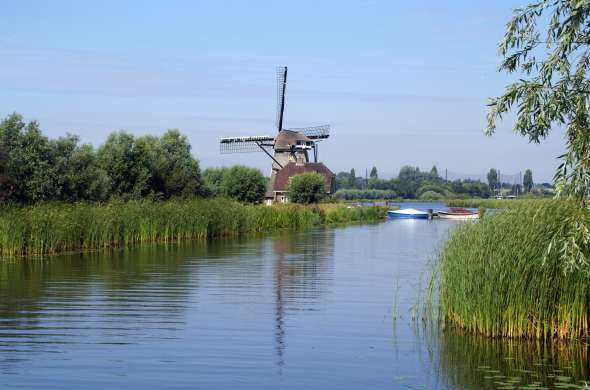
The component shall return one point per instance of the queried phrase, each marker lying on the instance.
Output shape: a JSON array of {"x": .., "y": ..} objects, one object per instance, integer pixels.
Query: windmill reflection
[{"x": 301, "y": 270}]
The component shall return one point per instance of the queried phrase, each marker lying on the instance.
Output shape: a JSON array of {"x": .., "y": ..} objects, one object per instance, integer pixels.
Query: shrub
[
  {"x": 431, "y": 195},
  {"x": 243, "y": 184},
  {"x": 307, "y": 188}
]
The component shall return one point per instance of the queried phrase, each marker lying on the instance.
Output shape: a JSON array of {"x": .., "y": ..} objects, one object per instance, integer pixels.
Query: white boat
[
  {"x": 457, "y": 213},
  {"x": 407, "y": 214}
]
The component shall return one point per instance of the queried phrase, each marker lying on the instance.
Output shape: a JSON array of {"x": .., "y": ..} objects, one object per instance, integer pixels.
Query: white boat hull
[{"x": 445, "y": 215}]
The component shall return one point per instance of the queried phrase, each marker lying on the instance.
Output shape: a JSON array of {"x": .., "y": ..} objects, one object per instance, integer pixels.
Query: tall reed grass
[
  {"x": 56, "y": 227},
  {"x": 497, "y": 278},
  {"x": 489, "y": 203}
]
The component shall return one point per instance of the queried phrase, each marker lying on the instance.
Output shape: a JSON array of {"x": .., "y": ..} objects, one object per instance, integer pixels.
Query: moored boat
[
  {"x": 407, "y": 214},
  {"x": 457, "y": 213}
]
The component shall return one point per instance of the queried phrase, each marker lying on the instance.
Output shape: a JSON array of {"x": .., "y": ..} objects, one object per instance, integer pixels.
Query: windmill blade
[
  {"x": 245, "y": 144},
  {"x": 315, "y": 132},
  {"x": 281, "y": 89}
]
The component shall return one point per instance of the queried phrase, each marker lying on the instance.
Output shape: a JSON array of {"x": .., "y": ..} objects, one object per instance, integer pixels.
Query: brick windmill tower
[{"x": 289, "y": 150}]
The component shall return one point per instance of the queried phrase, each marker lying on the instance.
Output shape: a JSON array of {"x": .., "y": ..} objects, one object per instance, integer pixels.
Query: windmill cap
[{"x": 287, "y": 138}]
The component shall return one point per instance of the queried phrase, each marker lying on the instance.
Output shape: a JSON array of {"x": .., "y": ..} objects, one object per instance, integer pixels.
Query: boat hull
[
  {"x": 398, "y": 215},
  {"x": 445, "y": 215}
]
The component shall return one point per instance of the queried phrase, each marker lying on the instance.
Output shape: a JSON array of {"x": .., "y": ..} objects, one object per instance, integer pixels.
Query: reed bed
[
  {"x": 58, "y": 227},
  {"x": 338, "y": 213},
  {"x": 489, "y": 203},
  {"x": 496, "y": 278}
]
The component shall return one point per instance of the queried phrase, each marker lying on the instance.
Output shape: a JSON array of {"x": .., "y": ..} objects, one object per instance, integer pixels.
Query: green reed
[
  {"x": 496, "y": 278},
  {"x": 60, "y": 227},
  {"x": 488, "y": 203},
  {"x": 340, "y": 214}
]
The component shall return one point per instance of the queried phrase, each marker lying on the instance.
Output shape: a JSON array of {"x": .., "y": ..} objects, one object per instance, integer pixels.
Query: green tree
[
  {"x": 29, "y": 160},
  {"x": 527, "y": 180},
  {"x": 307, "y": 188},
  {"x": 77, "y": 174},
  {"x": 374, "y": 174},
  {"x": 434, "y": 172},
  {"x": 243, "y": 184},
  {"x": 352, "y": 179},
  {"x": 493, "y": 179},
  {"x": 6, "y": 182},
  {"x": 547, "y": 44},
  {"x": 212, "y": 178},
  {"x": 174, "y": 168},
  {"x": 409, "y": 173},
  {"x": 126, "y": 164}
]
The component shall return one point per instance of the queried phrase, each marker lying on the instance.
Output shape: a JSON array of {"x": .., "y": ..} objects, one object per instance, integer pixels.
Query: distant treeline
[
  {"x": 34, "y": 168},
  {"x": 412, "y": 183}
]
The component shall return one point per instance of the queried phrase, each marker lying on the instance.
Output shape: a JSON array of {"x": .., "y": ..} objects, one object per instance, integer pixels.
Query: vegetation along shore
[
  {"x": 56, "y": 227},
  {"x": 499, "y": 278}
]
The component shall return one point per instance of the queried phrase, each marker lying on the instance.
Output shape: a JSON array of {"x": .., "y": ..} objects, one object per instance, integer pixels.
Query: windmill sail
[
  {"x": 281, "y": 87},
  {"x": 245, "y": 144},
  {"x": 315, "y": 132}
]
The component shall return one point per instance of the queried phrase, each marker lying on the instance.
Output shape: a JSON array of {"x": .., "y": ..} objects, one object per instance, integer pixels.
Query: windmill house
[{"x": 289, "y": 150}]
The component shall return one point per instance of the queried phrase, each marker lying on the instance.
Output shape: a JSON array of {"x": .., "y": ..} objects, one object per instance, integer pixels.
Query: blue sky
[{"x": 401, "y": 82}]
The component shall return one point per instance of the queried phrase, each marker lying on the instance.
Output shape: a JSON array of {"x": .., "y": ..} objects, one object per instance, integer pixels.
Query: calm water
[{"x": 323, "y": 309}]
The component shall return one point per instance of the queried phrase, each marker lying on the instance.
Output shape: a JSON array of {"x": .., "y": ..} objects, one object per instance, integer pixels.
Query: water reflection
[
  {"x": 473, "y": 362},
  {"x": 299, "y": 273}
]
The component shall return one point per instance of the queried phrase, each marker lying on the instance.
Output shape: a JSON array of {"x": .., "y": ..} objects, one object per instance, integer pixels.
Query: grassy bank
[
  {"x": 489, "y": 203},
  {"x": 496, "y": 280},
  {"x": 54, "y": 228}
]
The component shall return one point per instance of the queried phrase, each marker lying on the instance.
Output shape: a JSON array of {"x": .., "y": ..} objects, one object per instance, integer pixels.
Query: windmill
[{"x": 287, "y": 148}]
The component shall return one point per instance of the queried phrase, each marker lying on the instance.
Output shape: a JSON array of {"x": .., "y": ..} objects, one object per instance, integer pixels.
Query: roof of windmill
[{"x": 286, "y": 138}]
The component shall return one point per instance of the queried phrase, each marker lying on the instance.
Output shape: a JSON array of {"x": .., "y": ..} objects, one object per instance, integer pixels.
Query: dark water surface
[{"x": 322, "y": 309}]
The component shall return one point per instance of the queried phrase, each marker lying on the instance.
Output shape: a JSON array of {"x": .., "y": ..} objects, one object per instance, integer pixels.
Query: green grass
[
  {"x": 343, "y": 214},
  {"x": 489, "y": 203},
  {"x": 56, "y": 227},
  {"x": 495, "y": 279}
]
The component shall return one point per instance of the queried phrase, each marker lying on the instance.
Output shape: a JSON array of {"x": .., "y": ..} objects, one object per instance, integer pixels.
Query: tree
[
  {"x": 212, "y": 178},
  {"x": 243, "y": 184},
  {"x": 527, "y": 180},
  {"x": 352, "y": 179},
  {"x": 409, "y": 173},
  {"x": 307, "y": 188},
  {"x": 374, "y": 174},
  {"x": 553, "y": 91},
  {"x": 493, "y": 179},
  {"x": 77, "y": 174},
  {"x": 126, "y": 164},
  {"x": 434, "y": 172},
  {"x": 6, "y": 182},
  {"x": 29, "y": 160},
  {"x": 174, "y": 166}
]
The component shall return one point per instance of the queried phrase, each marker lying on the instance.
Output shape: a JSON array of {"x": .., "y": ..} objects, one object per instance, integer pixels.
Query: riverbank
[
  {"x": 490, "y": 203},
  {"x": 59, "y": 227},
  {"x": 497, "y": 279}
]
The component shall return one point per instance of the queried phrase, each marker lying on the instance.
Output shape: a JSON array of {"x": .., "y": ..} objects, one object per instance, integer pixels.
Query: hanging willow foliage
[{"x": 553, "y": 93}]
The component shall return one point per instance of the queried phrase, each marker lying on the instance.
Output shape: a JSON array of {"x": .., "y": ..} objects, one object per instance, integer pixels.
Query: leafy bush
[
  {"x": 431, "y": 195},
  {"x": 307, "y": 188},
  {"x": 243, "y": 184}
]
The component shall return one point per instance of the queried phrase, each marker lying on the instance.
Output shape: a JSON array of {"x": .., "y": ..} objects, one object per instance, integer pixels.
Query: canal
[{"x": 326, "y": 308}]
